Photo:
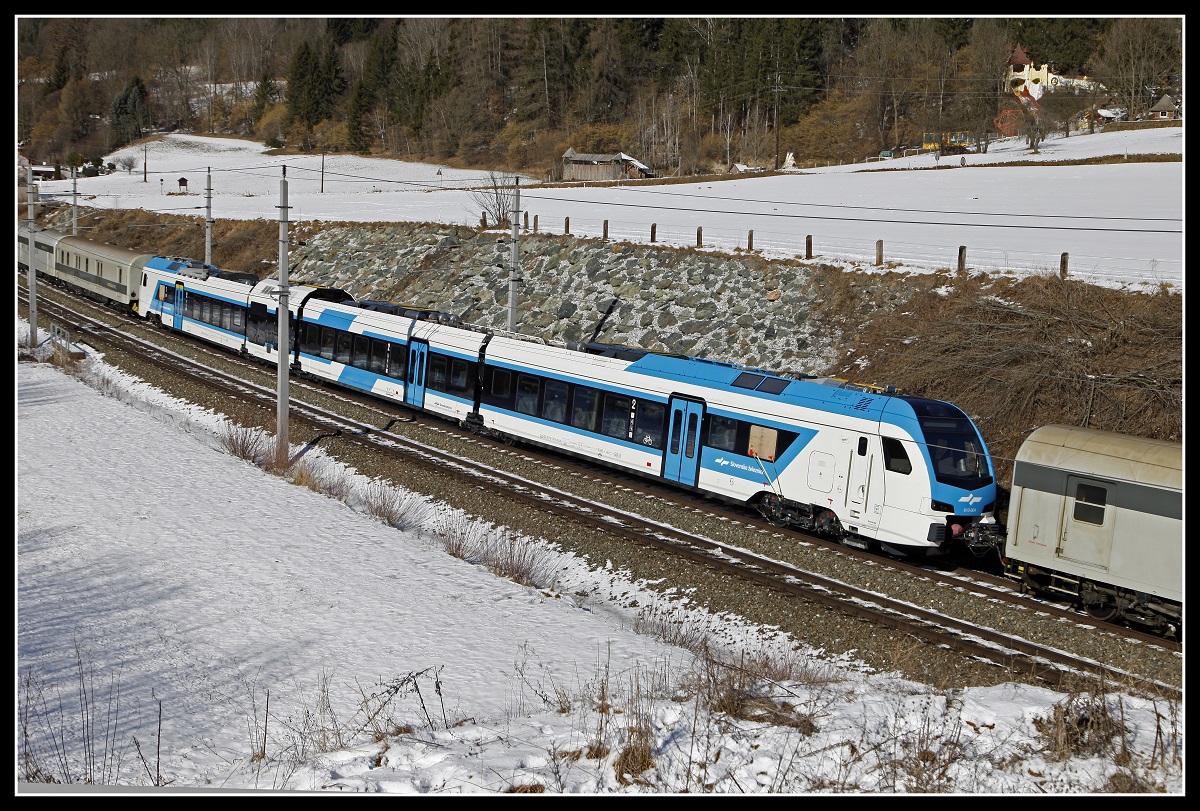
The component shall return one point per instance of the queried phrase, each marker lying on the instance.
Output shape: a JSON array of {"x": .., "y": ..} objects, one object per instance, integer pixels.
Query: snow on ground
[{"x": 154, "y": 566}]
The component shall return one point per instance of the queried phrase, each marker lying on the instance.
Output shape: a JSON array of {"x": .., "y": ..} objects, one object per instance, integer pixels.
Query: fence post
[
  {"x": 483, "y": 220},
  {"x": 606, "y": 229},
  {"x": 535, "y": 223},
  {"x": 653, "y": 229},
  {"x": 750, "y": 241},
  {"x": 567, "y": 226},
  {"x": 526, "y": 220},
  {"x": 879, "y": 252},
  {"x": 699, "y": 238},
  {"x": 962, "y": 258},
  {"x": 808, "y": 247},
  {"x": 1062, "y": 266}
]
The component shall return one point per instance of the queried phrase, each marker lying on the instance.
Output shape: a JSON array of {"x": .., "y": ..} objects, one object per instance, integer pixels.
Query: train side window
[
  {"x": 328, "y": 341},
  {"x": 648, "y": 424},
  {"x": 895, "y": 458},
  {"x": 397, "y": 360},
  {"x": 310, "y": 338},
  {"x": 584, "y": 406},
  {"x": 722, "y": 433},
  {"x": 676, "y": 427},
  {"x": 378, "y": 362},
  {"x": 438, "y": 373},
  {"x": 615, "y": 419},
  {"x": 362, "y": 352},
  {"x": 554, "y": 406},
  {"x": 501, "y": 386},
  {"x": 239, "y": 320},
  {"x": 690, "y": 449},
  {"x": 528, "y": 389},
  {"x": 341, "y": 352},
  {"x": 1089, "y": 503},
  {"x": 206, "y": 309},
  {"x": 461, "y": 378}
]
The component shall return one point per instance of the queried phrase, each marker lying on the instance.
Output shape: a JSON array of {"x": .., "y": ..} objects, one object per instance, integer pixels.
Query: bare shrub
[
  {"x": 461, "y": 536},
  {"x": 1083, "y": 724},
  {"x": 251, "y": 444},
  {"x": 77, "y": 745},
  {"x": 637, "y": 755},
  {"x": 669, "y": 625},
  {"x": 519, "y": 559},
  {"x": 402, "y": 509}
]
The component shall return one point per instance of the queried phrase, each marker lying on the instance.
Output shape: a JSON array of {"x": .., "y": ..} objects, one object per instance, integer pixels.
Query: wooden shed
[{"x": 593, "y": 166}]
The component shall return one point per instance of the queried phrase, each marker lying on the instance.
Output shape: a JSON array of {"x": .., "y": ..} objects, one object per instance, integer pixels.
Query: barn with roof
[{"x": 593, "y": 166}]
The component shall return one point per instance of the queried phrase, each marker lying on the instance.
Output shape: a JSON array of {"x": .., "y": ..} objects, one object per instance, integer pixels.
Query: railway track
[{"x": 1042, "y": 662}]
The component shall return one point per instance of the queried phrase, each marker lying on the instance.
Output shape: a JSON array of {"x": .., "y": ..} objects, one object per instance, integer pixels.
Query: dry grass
[{"x": 1018, "y": 354}]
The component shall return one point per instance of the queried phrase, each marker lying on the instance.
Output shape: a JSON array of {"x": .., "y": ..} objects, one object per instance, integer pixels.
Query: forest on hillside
[{"x": 685, "y": 95}]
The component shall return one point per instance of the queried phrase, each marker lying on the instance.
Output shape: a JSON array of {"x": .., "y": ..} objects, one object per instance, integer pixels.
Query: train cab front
[{"x": 962, "y": 483}]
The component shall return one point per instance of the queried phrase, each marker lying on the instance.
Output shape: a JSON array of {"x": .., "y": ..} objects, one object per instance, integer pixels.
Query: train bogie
[{"x": 1097, "y": 518}]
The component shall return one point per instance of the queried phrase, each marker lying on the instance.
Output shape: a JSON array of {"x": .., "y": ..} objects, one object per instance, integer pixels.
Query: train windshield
[{"x": 955, "y": 447}]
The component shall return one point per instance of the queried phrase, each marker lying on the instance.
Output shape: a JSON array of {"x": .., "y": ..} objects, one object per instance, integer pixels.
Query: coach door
[
  {"x": 178, "y": 305},
  {"x": 858, "y": 489},
  {"x": 683, "y": 440},
  {"x": 414, "y": 391},
  {"x": 1088, "y": 521}
]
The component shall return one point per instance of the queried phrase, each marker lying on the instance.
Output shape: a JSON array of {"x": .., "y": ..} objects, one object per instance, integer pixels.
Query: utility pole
[
  {"x": 777, "y": 92},
  {"x": 32, "y": 269},
  {"x": 514, "y": 276},
  {"x": 144, "y": 155},
  {"x": 208, "y": 220},
  {"x": 283, "y": 353}
]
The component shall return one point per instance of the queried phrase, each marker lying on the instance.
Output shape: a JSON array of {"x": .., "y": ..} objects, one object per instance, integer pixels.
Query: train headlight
[{"x": 941, "y": 506}]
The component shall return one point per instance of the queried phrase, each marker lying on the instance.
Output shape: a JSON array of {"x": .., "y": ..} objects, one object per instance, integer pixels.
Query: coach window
[
  {"x": 439, "y": 373},
  {"x": 554, "y": 406},
  {"x": 615, "y": 420},
  {"x": 690, "y": 450},
  {"x": 378, "y": 362},
  {"x": 310, "y": 338},
  {"x": 460, "y": 377},
  {"x": 341, "y": 351},
  {"x": 676, "y": 428},
  {"x": 648, "y": 425},
  {"x": 328, "y": 342},
  {"x": 528, "y": 389},
  {"x": 206, "y": 309},
  {"x": 722, "y": 433},
  {"x": 1089, "y": 503},
  {"x": 397, "y": 360},
  {"x": 362, "y": 352},
  {"x": 584, "y": 405},
  {"x": 226, "y": 315},
  {"x": 501, "y": 387},
  {"x": 239, "y": 320},
  {"x": 895, "y": 458}
]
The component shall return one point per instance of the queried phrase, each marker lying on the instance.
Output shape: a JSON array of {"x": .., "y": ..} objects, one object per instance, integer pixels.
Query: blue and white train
[{"x": 872, "y": 467}]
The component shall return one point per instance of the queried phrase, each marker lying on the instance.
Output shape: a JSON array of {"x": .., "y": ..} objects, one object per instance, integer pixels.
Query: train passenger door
[
  {"x": 1088, "y": 522},
  {"x": 859, "y": 497},
  {"x": 178, "y": 324},
  {"x": 682, "y": 460},
  {"x": 414, "y": 391}
]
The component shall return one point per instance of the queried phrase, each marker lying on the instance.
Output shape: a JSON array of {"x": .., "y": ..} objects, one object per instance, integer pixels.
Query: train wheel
[{"x": 1105, "y": 611}]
